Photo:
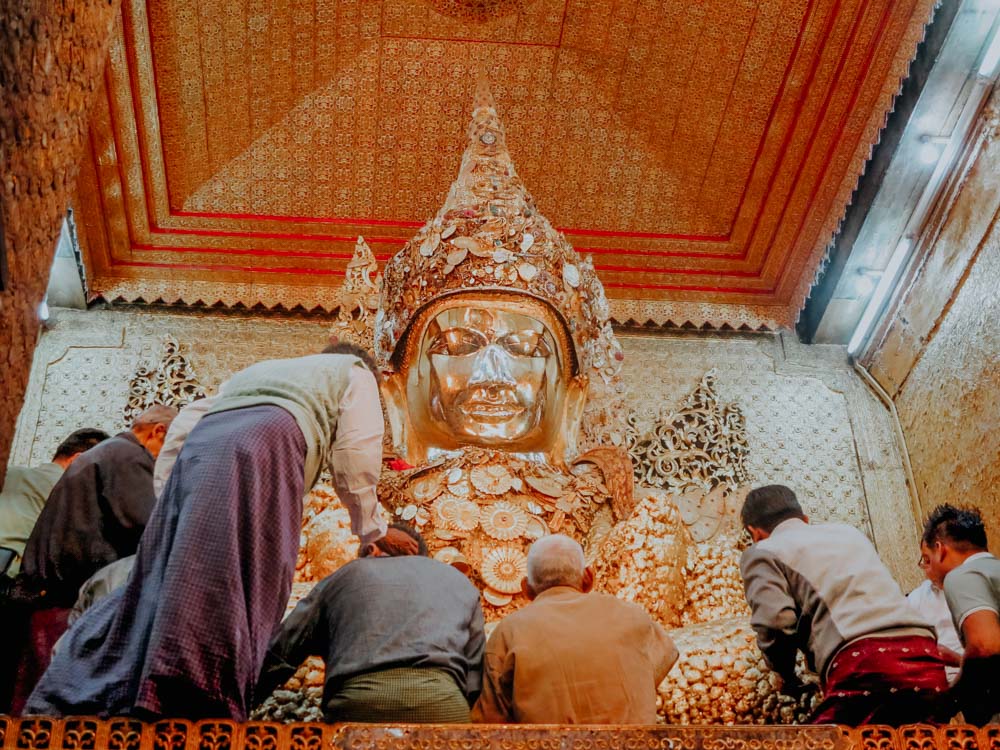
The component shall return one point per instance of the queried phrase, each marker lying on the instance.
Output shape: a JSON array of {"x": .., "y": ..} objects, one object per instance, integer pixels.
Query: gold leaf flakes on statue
[
  {"x": 496, "y": 598},
  {"x": 474, "y": 245},
  {"x": 571, "y": 275},
  {"x": 466, "y": 516},
  {"x": 428, "y": 246},
  {"x": 457, "y": 256},
  {"x": 503, "y": 568},
  {"x": 616, "y": 468},
  {"x": 536, "y": 528},
  {"x": 545, "y": 485},
  {"x": 445, "y": 509},
  {"x": 460, "y": 489},
  {"x": 426, "y": 488},
  {"x": 493, "y": 479},
  {"x": 448, "y": 555},
  {"x": 503, "y": 521},
  {"x": 527, "y": 271}
]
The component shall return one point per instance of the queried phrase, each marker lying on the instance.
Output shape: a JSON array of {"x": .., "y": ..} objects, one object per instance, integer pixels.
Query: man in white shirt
[
  {"x": 929, "y": 600},
  {"x": 822, "y": 589},
  {"x": 957, "y": 555}
]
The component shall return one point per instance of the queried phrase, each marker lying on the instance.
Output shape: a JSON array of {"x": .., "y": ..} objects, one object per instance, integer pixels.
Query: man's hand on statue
[
  {"x": 397, "y": 543},
  {"x": 795, "y": 688}
]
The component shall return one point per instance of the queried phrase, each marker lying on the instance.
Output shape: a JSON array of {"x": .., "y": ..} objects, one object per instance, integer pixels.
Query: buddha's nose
[{"x": 492, "y": 367}]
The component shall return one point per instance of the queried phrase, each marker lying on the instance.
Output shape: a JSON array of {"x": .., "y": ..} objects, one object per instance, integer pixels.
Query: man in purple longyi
[{"x": 187, "y": 634}]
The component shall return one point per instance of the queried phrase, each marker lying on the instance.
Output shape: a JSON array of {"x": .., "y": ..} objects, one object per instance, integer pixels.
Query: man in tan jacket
[{"x": 572, "y": 656}]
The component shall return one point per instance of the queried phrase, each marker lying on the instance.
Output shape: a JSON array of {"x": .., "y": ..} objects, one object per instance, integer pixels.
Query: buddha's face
[
  {"x": 485, "y": 370},
  {"x": 488, "y": 372}
]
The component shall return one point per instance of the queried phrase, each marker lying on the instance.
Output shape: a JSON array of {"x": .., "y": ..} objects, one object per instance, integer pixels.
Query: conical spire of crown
[
  {"x": 487, "y": 170},
  {"x": 488, "y": 235}
]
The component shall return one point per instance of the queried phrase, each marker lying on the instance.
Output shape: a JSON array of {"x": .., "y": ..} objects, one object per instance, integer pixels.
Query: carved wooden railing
[{"x": 84, "y": 733}]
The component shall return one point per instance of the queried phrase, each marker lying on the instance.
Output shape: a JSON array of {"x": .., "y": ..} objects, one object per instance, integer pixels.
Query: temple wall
[
  {"x": 51, "y": 58},
  {"x": 939, "y": 355},
  {"x": 811, "y": 421}
]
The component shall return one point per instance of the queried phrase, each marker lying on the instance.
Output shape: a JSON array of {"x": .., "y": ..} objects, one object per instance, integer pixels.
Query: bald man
[
  {"x": 572, "y": 656},
  {"x": 95, "y": 515}
]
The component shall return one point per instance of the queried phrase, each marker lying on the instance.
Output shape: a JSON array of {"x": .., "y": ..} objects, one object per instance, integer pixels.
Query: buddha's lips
[
  {"x": 490, "y": 405},
  {"x": 483, "y": 411}
]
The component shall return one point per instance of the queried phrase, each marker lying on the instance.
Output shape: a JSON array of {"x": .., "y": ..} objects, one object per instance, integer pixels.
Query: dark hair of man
[
  {"x": 79, "y": 441},
  {"x": 414, "y": 535},
  {"x": 347, "y": 347},
  {"x": 394, "y": 552},
  {"x": 961, "y": 528},
  {"x": 766, "y": 507}
]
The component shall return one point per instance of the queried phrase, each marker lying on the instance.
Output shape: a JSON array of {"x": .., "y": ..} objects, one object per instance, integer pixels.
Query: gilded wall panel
[
  {"x": 810, "y": 421},
  {"x": 949, "y": 404}
]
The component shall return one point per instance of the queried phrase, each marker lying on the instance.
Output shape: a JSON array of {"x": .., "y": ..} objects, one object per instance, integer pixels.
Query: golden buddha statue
[
  {"x": 491, "y": 332},
  {"x": 502, "y": 389}
]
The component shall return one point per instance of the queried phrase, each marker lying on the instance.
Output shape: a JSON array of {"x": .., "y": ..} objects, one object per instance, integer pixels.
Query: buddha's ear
[
  {"x": 576, "y": 400},
  {"x": 393, "y": 390}
]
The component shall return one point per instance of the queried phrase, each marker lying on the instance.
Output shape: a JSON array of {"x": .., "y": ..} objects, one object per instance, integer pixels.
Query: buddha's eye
[
  {"x": 458, "y": 342},
  {"x": 526, "y": 344}
]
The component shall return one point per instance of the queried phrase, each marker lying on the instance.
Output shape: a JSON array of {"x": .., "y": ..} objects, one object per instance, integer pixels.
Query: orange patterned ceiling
[{"x": 703, "y": 151}]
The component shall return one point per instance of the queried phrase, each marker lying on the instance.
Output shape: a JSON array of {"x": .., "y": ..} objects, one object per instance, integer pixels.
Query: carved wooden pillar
[{"x": 51, "y": 55}]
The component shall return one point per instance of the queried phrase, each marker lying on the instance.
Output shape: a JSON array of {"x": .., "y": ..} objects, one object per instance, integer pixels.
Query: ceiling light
[
  {"x": 885, "y": 285},
  {"x": 929, "y": 152},
  {"x": 988, "y": 67},
  {"x": 864, "y": 285}
]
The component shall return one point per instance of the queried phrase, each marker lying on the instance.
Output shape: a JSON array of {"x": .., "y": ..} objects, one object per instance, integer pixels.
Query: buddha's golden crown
[{"x": 488, "y": 236}]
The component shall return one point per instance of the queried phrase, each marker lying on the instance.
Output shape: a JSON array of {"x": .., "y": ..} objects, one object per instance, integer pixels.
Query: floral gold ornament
[
  {"x": 504, "y": 568},
  {"x": 493, "y": 479},
  {"x": 466, "y": 516},
  {"x": 446, "y": 510},
  {"x": 504, "y": 521}
]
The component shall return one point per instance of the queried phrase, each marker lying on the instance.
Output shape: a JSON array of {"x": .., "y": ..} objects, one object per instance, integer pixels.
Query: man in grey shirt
[
  {"x": 401, "y": 636},
  {"x": 822, "y": 589},
  {"x": 955, "y": 539}
]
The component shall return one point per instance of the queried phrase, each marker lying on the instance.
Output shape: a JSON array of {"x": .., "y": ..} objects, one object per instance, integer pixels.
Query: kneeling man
[
  {"x": 401, "y": 636},
  {"x": 822, "y": 588},
  {"x": 571, "y": 656}
]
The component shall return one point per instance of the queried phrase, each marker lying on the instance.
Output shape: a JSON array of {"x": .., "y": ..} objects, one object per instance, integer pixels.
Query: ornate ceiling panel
[{"x": 703, "y": 152}]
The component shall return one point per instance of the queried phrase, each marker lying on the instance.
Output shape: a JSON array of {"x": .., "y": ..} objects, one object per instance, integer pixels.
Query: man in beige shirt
[
  {"x": 26, "y": 489},
  {"x": 572, "y": 656}
]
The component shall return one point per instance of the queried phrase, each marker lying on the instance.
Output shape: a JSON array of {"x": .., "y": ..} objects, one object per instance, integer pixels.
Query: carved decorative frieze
[
  {"x": 702, "y": 445},
  {"x": 171, "y": 382},
  {"x": 39, "y": 733}
]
